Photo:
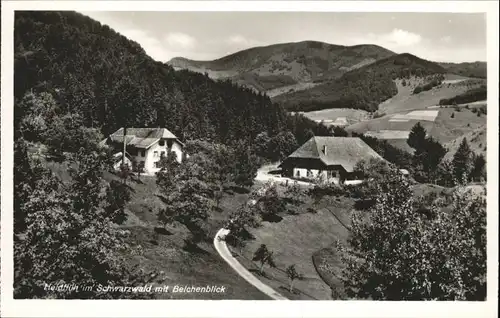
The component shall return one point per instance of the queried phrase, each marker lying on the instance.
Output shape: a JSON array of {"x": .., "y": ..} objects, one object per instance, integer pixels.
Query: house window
[
  {"x": 162, "y": 154},
  {"x": 162, "y": 142},
  {"x": 170, "y": 143},
  {"x": 143, "y": 153},
  {"x": 309, "y": 173},
  {"x": 298, "y": 173},
  {"x": 157, "y": 164},
  {"x": 155, "y": 154}
]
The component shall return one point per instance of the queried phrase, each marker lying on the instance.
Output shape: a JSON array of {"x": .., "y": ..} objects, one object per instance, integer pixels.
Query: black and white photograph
[{"x": 294, "y": 155}]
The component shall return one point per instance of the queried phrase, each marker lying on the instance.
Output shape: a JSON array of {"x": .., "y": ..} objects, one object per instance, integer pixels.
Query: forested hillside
[
  {"x": 109, "y": 81},
  {"x": 285, "y": 64},
  {"x": 362, "y": 88},
  {"x": 470, "y": 96},
  {"x": 474, "y": 69}
]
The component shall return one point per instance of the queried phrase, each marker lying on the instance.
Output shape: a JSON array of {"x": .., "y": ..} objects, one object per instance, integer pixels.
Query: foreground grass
[
  {"x": 161, "y": 248},
  {"x": 294, "y": 240}
]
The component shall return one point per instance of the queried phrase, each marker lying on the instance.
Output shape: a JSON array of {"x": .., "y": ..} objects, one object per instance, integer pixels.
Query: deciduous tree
[
  {"x": 264, "y": 256},
  {"x": 397, "y": 254},
  {"x": 292, "y": 274}
]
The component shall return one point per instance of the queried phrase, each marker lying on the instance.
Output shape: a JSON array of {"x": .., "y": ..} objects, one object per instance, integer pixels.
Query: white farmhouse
[
  {"x": 145, "y": 146},
  {"x": 330, "y": 158}
]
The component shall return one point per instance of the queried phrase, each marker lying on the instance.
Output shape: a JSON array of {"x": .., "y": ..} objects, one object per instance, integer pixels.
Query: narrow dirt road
[{"x": 223, "y": 250}]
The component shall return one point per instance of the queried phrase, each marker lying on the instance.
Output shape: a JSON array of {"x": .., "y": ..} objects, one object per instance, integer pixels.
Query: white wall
[
  {"x": 315, "y": 174},
  {"x": 149, "y": 166},
  {"x": 150, "y": 159}
]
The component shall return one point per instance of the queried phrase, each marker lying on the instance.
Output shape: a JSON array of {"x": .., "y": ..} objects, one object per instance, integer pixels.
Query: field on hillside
[
  {"x": 405, "y": 100},
  {"x": 290, "y": 88},
  {"x": 351, "y": 115},
  {"x": 449, "y": 123},
  {"x": 476, "y": 139}
]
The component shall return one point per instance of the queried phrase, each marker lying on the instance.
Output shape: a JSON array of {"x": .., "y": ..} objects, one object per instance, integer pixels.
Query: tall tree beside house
[
  {"x": 165, "y": 178},
  {"x": 282, "y": 145},
  {"x": 187, "y": 198},
  {"x": 435, "y": 256},
  {"x": 462, "y": 161},
  {"x": 261, "y": 144},
  {"x": 309, "y": 134}
]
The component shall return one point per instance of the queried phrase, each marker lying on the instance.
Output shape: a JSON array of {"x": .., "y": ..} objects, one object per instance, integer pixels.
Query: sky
[{"x": 440, "y": 37}]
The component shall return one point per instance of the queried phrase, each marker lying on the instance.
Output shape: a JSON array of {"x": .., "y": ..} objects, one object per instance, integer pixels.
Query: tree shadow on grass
[
  {"x": 137, "y": 180},
  {"x": 287, "y": 289},
  {"x": 217, "y": 209},
  {"x": 257, "y": 272},
  {"x": 273, "y": 218},
  {"x": 193, "y": 248},
  {"x": 276, "y": 171},
  {"x": 239, "y": 190},
  {"x": 162, "y": 230},
  {"x": 162, "y": 198}
]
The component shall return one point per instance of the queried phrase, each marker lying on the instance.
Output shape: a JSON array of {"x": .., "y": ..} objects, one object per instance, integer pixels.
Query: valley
[{"x": 332, "y": 170}]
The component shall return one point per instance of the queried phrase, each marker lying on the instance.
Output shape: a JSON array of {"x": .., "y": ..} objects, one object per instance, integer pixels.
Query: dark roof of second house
[
  {"x": 142, "y": 137},
  {"x": 344, "y": 151}
]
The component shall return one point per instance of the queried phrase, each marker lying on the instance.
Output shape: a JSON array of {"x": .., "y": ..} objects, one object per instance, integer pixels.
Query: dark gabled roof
[
  {"x": 146, "y": 133},
  {"x": 142, "y": 137},
  {"x": 344, "y": 151}
]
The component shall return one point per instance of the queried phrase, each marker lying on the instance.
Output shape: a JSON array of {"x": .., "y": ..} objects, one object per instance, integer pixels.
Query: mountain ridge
[
  {"x": 269, "y": 67},
  {"x": 299, "y": 68}
]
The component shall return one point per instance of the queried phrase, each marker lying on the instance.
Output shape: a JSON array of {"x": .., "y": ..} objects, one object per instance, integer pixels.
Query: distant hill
[
  {"x": 474, "y": 69},
  {"x": 362, "y": 88},
  {"x": 288, "y": 64}
]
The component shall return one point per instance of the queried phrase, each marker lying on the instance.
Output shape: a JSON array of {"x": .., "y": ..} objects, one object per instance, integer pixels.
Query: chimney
[{"x": 324, "y": 150}]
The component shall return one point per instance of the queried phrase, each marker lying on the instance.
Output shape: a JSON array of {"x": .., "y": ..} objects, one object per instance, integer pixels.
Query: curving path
[{"x": 223, "y": 250}]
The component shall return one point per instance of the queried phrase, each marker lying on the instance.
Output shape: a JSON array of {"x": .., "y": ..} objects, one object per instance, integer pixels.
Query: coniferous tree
[
  {"x": 478, "y": 171},
  {"x": 417, "y": 136},
  {"x": 462, "y": 161}
]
